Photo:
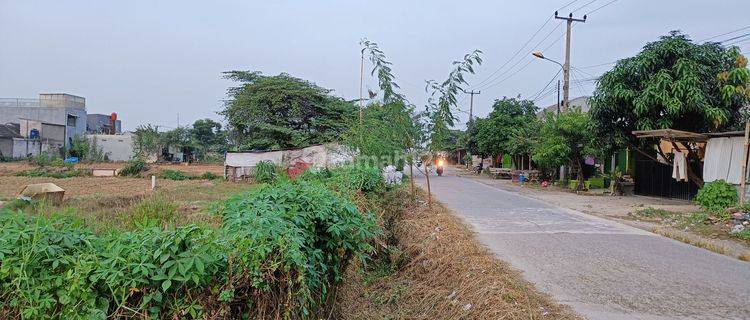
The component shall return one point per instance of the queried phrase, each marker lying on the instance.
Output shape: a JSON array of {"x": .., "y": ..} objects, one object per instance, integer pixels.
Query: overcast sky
[{"x": 150, "y": 60}]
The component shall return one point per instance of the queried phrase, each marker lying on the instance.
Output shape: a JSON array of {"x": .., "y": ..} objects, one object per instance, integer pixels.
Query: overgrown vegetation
[
  {"x": 134, "y": 167},
  {"x": 279, "y": 252},
  {"x": 716, "y": 196},
  {"x": 265, "y": 172}
]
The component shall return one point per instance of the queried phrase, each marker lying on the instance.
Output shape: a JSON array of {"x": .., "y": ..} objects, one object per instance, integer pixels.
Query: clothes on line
[{"x": 679, "y": 169}]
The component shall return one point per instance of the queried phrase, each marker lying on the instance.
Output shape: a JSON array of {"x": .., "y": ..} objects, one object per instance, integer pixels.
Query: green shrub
[
  {"x": 209, "y": 176},
  {"x": 174, "y": 175},
  {"x": 281, "y": 250},
  {"x": 134, "y": 167},
  {"x": 716, "y": 196},
  {"x": 45, "y": 172},
  {"x": 744, "y": 234},
  {"x": 265, "y": 172},
  {"x": 153, "y": 212}
]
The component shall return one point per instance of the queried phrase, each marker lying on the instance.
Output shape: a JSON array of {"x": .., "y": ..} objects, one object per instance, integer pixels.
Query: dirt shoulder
[{"x": 438, "y": 270}]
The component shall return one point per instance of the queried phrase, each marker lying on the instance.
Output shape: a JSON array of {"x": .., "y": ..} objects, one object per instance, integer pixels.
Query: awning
[{"x": 671, "y": 134}]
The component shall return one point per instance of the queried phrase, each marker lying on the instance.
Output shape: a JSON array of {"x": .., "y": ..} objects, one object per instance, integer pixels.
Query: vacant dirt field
[
  {"x": 90, "y": 186},
  {"x": 9, "y": 168}
]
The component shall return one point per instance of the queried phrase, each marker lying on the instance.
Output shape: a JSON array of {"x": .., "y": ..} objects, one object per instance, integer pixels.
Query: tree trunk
[
  {"x": 427, "y": 177},
  {"x": 579, "y": 163}
]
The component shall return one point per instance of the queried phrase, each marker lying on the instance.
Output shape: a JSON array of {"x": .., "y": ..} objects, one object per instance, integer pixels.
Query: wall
[
  {"x": 99, "y": 123},
  {"x": 23, "y": 148},
  {"x": 117, "y": 147},
  {"x": 6, "y": 147}
]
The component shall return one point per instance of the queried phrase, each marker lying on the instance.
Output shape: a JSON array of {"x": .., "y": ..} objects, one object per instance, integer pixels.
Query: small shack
[{"x": 240, "y": 165}]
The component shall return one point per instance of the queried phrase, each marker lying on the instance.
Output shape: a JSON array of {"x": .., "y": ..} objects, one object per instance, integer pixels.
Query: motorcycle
[{"x": 440, "y": 165}]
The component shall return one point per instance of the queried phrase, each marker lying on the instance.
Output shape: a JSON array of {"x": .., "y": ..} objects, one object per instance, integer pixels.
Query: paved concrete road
[{"x": 603, "y": 269}]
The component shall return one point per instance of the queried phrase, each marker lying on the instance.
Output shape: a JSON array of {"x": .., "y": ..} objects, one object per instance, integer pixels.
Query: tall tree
[
  {"x": 208, "y": 136},
  {"x": 672, "y": 83},
  {"x": 279, "y": 112}
]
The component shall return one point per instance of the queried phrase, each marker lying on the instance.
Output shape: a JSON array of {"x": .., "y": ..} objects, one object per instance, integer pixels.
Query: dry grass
[
  {"x": 106, "y": 204},
  {"x": 438, "y": 270},
  {"x": 692, "y": 241}
]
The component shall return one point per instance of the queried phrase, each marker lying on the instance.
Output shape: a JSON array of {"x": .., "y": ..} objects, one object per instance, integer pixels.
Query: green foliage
[
  {"x": 673, "y": 83},
  {"x": 282, "y": 112},
  {"x": 744, "y": 235},
  {"x": 146, "y": 140},
  {"x": 265, "y": 172},
  {"x": 174, "y": 175},
  {"x": 50, "y": 173},
  {"x": 443, "y": 97},
  {"x": 281, "y": 249},
  {"x": 86, "y": 150},
  {"x": 302, "y": 233},
  {"x": 208, "y": 137},
  {"x": 44, "y": 159},
  {"x": 210, "y": 176},
  {"x": 153, "y": 211},
  {"x": 134, "y": 167},
  {"x": 716, "y": 196},
  {"x": 565, "y": 139},
  {"x": 180, "y": 137},
  {"x": 510, "y": 128}
]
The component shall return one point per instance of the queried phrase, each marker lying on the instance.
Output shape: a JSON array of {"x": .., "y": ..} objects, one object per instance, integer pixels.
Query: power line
[
  {"x": 600, "y": 7},
  {"x": 516, "y": 53},
  {"x": 724, "y": 34},
  {"x": 494, "y": 82},
  {"x": 521, "y": 48},
  {"x": 548, "y": 83},
  {"x": 737, "y": 37},
  {"x": 585, "y": 5}
]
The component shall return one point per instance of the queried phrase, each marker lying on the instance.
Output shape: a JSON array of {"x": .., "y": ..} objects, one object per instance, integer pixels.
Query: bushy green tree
[
  {"x": 280, "y": 112},
  {"x": 146, "y": 140},
  {"x": 672, "y": 83},
  {"x": 509, "y": 128},
  {"x": 209, "y": 136},
  {"x": 565, "y": 139}
]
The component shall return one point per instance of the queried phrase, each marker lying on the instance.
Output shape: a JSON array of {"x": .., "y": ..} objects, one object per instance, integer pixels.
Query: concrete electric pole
[
  {"x": 471, "y": 103},
  {"x": 566, "y": 66}
]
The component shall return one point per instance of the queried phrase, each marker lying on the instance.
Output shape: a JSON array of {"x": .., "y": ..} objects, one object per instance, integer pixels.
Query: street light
[{"x": 540, "y": 55}]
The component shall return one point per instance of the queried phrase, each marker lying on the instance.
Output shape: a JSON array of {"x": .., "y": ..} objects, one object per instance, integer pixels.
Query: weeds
[
  {"x": 134, "y": 167},
  {"x": 280, "y": 252}
]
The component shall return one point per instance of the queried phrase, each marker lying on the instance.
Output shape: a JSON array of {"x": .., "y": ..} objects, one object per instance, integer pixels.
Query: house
[
  {"x": 15, "y": 146},
  {"x": 102, "y": 123},
  {"x": 54, "y": 118},
  {"x": 581, "y": 102}
]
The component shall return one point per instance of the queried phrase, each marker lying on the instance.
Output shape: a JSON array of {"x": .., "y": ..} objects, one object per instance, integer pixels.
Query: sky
[{"x": 161, "y": 62}]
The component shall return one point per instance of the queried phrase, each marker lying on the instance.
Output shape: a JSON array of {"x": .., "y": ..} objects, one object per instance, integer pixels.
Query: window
[{"x": 71, "y": 120}]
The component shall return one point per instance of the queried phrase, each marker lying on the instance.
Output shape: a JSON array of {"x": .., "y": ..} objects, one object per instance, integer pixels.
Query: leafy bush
[
  {"x": 134, "y": 167},
  {"x": 280, "y": 250},
  {"x": 209, "y": 176},
  {"x": 265, "y": 172},
  {"x": 174, "y": 175},
  {"x": 299, "y": 237},
  {"x": 716, "y": 196},
  {"x": 44, "y": 159},
  {"x": 44, "y": 172}
]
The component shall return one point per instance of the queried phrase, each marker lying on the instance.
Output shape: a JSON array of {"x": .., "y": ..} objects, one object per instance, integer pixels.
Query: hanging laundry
[{"x": 679, "y": 168}]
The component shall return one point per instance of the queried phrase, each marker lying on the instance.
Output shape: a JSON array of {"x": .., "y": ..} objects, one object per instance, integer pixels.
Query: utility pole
[
  {"x": 558, "y": 96},
  {"x": 361, "y": 83},
  {"x": 471, "y": 103},
  {"x": 566, "y": 66}
]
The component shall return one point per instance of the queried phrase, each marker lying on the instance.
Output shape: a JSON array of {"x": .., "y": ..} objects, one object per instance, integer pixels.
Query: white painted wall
[{"x": 117, "y": 147}]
